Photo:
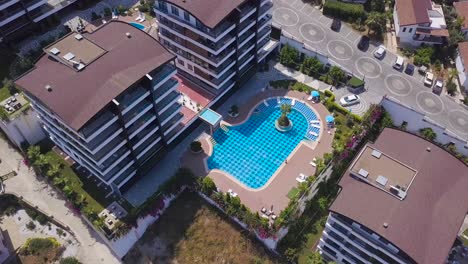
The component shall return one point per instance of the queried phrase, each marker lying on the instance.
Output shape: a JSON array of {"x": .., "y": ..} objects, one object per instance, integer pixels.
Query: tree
[
  {"x": 315, "y": 258},
  {"x": 283, "y": 120},
  {"x": 455, "y": 32},
  {"x": 289, "y": 56},
  {"x": 69, "y": 260},
  {"x": 428, "y": 133},
  {"x": 451, "y": 87},
  {"x": 33, "y": 153},
  {"x": 10, "y": 85},
  {"x": 54, "y": 170},
  {"x": 337, "y": 75},
  {"x": 376, "y": 22},
  {"x": 323, "y": 204},
  {"x": 312, "y": 67},
  {"x": 19, "y": 66},
  {"x": 207, "y": 186}
]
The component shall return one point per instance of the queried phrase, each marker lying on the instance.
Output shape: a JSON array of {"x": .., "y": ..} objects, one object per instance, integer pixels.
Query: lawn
[
  {"x": 4, "y": 93},
  {"x": 191, "y": 231},
  {"x": 93, "y": 195},
  {"x": 293, "y": 193}
]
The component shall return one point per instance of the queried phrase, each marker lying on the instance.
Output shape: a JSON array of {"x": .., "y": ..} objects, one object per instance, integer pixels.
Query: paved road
[
  {"x": 307, "y": 24},
  {"x": 92, "y": 249}
]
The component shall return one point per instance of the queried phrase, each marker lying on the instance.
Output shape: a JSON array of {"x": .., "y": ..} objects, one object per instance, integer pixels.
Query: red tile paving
[
  {"x": 276, "y": 190},
  {"x": 192, "y": 90},
  {"x": 188, "y": 115}
]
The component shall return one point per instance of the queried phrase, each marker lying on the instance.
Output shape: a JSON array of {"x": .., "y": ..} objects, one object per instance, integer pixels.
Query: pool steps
[
  {"x": 224, "y": 127},
  {"x": 213, "y": 141}
]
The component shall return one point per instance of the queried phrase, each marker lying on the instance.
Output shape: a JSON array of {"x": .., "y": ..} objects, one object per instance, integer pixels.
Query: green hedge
[
  {"x": 332, "y": 106},
  {"x": 344, "y": 11}
]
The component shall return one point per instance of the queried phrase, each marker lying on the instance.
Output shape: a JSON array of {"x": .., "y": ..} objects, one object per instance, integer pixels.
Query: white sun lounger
[
  {"x": 265, "y": 103},
  {"x": 301, "y": 178},
  {"x": 315, "y": 122},
  {"x": 313, "y": 133},
  {"x": 142, "y": 19},
  {"x": 313, "y": 164},
  {"x": 138, "y": 17},
  {"x": 293, "y": 102},
  {"x": 231, "y": 193},
  {"x": 278, "y": 100},
  {"x": 315, "y": 125},
  {"x": 310, "y": 98}
]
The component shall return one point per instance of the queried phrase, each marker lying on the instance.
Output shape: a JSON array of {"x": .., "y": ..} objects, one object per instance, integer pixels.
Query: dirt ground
[{"x": 191, "y": 231}]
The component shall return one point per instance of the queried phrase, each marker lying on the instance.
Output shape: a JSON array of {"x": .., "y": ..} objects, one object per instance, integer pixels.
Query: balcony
[
  {"x": 161, "y": 76},
  {"x": 140, "y": 124},
  {"x": 6, "y": 3},
  {"x": 264, "y": 33},
  {"x": 153, "y": 139},
  {"x": 264, "y": 9},
  {"x": 115, "y": 156},
  {"x": 246, "y": 37},
  {"x": 246, "y": 11},
  {"x": 168, "y": 115},
  {"x": 118, "y": 170},
  {"x": 165, "y": 90},
  {"x": 168, "y": 101},
  {"x": 137, "y": 111},
  {"x": 173, "y": 123},
  {"x": 213, "y": 34},
  {"x": 98, "y": 124},
  {"x": 129, "y": 100},
  {"x": 144, "y": 134},
  {"x": 266, "y": 20},
  {"x": 125, "y": 177},
  {"x": 11, "y": 13},
  {"x": 14, "y": 25},
  {"x": 31, "y": 5},
  {"x": 108, "y": 133}
]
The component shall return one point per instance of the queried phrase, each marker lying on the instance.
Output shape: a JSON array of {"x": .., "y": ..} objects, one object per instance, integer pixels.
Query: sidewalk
[{"x": 91, "y": 249}]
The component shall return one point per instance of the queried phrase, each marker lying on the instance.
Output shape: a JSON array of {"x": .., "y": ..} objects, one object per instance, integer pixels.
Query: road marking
[{"x": 298, "y": 5}]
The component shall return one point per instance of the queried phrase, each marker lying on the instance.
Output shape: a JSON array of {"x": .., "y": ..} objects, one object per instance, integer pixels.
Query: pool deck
[{"x": 274, "y": 193}]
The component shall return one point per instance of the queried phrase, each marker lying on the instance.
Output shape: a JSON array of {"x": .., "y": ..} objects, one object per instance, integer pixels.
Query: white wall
[
  {"x": 25, "y": 127},
  {"x": 462, "y": 78},
  {"x": 401, "y": 113}
]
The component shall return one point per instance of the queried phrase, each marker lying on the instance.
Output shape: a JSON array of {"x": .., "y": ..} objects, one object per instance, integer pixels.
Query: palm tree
[
  {"x": 283, "y": 120},
  {"x": 53, "y": 171},
  {"x": 428, "y": 133}
]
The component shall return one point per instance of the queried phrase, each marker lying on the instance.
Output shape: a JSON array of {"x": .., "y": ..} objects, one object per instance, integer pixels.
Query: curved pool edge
[{"x": 270, "y": 180}]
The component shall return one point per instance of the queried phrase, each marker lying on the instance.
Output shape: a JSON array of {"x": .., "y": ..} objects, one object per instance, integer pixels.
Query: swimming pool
[
  {"x": 137, "y": 25},
  {"x": 252, "y": 151}
]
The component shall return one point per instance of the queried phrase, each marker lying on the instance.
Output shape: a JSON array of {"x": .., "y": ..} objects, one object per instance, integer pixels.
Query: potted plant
[
  {"x": 234, "y": 111},
  {"x": 196, "y": 146},
  {"x": 283, "y": 123}
]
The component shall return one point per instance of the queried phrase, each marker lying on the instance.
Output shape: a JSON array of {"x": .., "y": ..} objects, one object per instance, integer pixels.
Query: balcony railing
[
  {"x": 164, "y": 72},
  {"x": 264, "y": 9},
  {"x": 214, "y": 33},
  {"x": 164, "y": 89}
]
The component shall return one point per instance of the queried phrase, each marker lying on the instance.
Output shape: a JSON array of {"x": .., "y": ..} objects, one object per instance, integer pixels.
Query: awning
[{"x": 433, "y": 32}]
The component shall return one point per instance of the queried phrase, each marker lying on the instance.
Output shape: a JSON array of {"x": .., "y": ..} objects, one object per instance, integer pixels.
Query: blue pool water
[
  {"x": 253, "y": 151},
  {"x": 137, "y": 25}
]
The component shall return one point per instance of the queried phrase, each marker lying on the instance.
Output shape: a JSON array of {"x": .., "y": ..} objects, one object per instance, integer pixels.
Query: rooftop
[
  {"x": 212, "y": 16},
  {"x": 411, "y": 12},
  {"x": 425, "y": 223},
  {"x": 382, "y": 171},
  {"x": 115, "y": 56},
  {"x": 462, "y": 11}
]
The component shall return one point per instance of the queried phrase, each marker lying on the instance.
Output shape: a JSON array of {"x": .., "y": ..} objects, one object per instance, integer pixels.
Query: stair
[
  {"x": 213, "y": 141},
  {"x": 224, "y": 127}
]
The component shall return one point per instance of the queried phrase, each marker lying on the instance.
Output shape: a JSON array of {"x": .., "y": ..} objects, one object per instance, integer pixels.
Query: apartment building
[
  {"x": 461, "y": 63},
  {"x": 419, "y": 21},
  {"x": 218, "y": 43},
  {"x": 18, "y": 15},
  {"x": 402, "y": 200},
  {"x": 108, "y": 99}
]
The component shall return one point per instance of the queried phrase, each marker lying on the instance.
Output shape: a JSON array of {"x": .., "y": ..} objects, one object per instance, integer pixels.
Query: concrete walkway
[{"x": 91, "y": 249}]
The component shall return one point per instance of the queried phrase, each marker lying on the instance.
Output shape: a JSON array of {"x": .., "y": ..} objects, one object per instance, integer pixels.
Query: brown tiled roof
[
  {"x": 433, "y": 32},
  {"x": 412, "y": 12},
  {"x": 209, "y": 12},
  {"x": 77, "y": 96},
  {"x": 463, "y": 52},
  {"x": 462, "y": 11},
  {"x": 425, "y": 224}
]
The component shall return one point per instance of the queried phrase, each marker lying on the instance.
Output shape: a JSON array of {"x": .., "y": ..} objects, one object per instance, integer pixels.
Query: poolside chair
[
  {"x": 142, "y": 19},
  {"x": 310, "y": 98},
  {"x": 315, "y": 125},
  {"x": 313, "y": 164},
  {"x": 301, "y": 178},
  {"x": 293, "y": 102},
  {"x": 313, "y": 133},
  {"x": 315, "y": 122},
  {"x": 138, "y": 17}
]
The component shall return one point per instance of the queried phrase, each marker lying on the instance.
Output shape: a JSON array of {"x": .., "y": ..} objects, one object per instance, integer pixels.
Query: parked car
[
  {"x": 409, "y": 69},
  {"x": 422, "y": 70},
  {"x": 363, "y": 43},
  {"x": 438, "y": 86},
  {"x": 336, "y": 25},
  {"x": 350, "y": 99},
  {"x": 429, "y": 79},
  {"x": 380, "y": 52},
  {"x": 399, "y": 63}
]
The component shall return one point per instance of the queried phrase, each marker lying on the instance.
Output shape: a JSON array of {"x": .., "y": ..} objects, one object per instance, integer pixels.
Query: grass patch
[
  {"x": 311, "y": 240},
  {"x": 293, "y": 193},
  {"x": 191, "y": 231},
  {"x": 355, "y": 82},
  {"x": 77, "y": 184},
  {"x": 40, "y": 250},
  {"x": 4, "y": 93}
]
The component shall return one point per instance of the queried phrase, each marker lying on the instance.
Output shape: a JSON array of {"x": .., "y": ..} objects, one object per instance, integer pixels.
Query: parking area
[{"x": 307, "y": 24}]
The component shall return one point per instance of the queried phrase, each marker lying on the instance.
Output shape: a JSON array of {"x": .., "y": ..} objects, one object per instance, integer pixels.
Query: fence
[{"x": 415, "y": 121}]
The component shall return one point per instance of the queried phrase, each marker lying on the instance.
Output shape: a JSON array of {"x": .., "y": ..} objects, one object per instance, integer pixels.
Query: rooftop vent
[
  {"x": 385, "y": 224},
  {"x": 363, "y": 173},
  {"x": 428, "y": 149},
  {"x": 128, "y": 35},
  {"x": 48, "y": 88},
  {"x": 78, "y": 37},
  {"x": 376, "y": 154},
  {"x": 69, "y": 56},
  {"x": 382, "y": 180},
  {"x": 54, "y": 51}
]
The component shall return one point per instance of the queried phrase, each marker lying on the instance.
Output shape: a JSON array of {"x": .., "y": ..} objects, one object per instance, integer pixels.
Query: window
[
  {"x": 410, "y": 30},
  {"x": 174, "y": 10},
  {"x": 404, "y": 29},
  {"x": 190, "y": 67},
  {"x": 186, "y": 16},
  {"x": 181, "y": 62},
  {"x": 162, "y": 6}
]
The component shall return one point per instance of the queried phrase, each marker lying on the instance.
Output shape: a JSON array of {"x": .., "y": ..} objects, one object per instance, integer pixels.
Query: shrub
[
  {"x": 337, "y": 75},
  {"x": 282, "y": 84},
  {"x": 289, "y": 56},
  {"x": 355, "y": 82},
  {"x": 94, "y": 16},
  {"x": 196, "y": 146},
  {"x": 344, "y": 11},
  {"x": 428, "y": 133},
  {"x": 451, "y": 87},
  {"x": 121, "y": 9},
  {"x": 312, "y": 67},
  {"x": 107, "y": 12},
  {"x": 69, "y": 260},
  {"x": 207, "y": 186},
  {"x": 35, "y": 245},
  {"x": 423, "y": 56},
  {"x": 30, "y": 225}
]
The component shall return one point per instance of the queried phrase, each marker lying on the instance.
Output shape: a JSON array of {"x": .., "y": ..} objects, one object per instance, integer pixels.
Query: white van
[{"x": 399, "y": 62}]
